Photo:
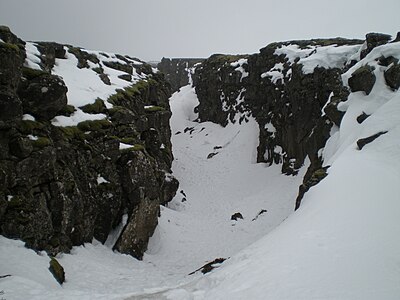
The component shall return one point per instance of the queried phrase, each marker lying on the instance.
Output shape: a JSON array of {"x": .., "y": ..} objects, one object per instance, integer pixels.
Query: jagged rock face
[
  {"x": 286, "y": 101},
  {"x": 176, "y": 70},
  {"x": 62, "y": 186},
  {"x": 293, "y": 90}
]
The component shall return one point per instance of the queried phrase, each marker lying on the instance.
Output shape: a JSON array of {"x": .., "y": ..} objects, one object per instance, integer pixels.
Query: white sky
[{"x": 151, "y": 29}]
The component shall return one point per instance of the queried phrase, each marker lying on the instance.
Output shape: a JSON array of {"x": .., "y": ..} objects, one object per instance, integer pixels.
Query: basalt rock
[
  {"x": 64, "y": 186},
  {"x": 392, "y": 76},
  {"x": 294, "y": 107},
  {"x": 373, "y": 40},
  {"x": 176, "y": 70},
  {"x": 44, "y": 96},
  {"x": 363, "y": 79}
]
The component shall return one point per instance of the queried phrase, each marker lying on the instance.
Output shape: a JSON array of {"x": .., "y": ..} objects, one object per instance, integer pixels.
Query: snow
[
  {"x": 238, "y": 65},
  {"x": 77, "y": 117},
  {"x": 123, "y": 146},
  {"x": 32, "y": 56},
  {"x": 33, "y": 137},
  {"x": 85, "y": 86},
  {"x": 28, "y": 117},
  {"x": 332, "y": 56},
  {"x": 275, "y": 73},
  {"x": 101, "y": 180}
]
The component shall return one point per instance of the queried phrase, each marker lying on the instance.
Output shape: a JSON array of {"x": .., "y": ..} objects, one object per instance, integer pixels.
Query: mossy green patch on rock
[
  {"x": 95, "y": 108},
  {"x": 9, "y": 46},
  {"x": 67, "y": 110},
  {"x": 41, "y": 142},
  {"x": 98, "y": 70},
  {"x": 72, "y": 132},
  {"x": 57, "y": 270},
  {"x": 94, "y": 125},
  {"x": 29, "y": 126},
  {"x": 30, "y": 74}
]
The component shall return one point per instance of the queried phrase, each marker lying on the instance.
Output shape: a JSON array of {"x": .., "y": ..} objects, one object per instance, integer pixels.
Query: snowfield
[{"x": 342, "y": 243}]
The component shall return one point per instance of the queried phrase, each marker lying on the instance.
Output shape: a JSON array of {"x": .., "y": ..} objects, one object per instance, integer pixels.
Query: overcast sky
[{"x": 151, "y": 29}]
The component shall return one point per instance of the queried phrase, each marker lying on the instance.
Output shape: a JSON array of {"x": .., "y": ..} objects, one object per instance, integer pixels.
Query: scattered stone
[
  {"x": 236, "y": 216},
  {"x": 189, "y": 129},
  {"x": 373, "y": 40},
  {"x": 208, "y": 267},
  {"x": 259, "y": 214},
  {"x": 361, "y": 118},
  {"x": 392, "y": 76},
  {"x": 211, "y": 155},
  {"x": 183, "y": 193},
  {"x": 363, "y": 79},
  {"x": 57, "y": 270},
  {"x": 362, "y": 142},
  {"x": 314, "y": 179}
]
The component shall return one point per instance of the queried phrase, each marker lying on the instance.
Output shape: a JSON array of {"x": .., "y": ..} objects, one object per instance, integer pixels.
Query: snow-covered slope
[{"x": 343, "y": 241}]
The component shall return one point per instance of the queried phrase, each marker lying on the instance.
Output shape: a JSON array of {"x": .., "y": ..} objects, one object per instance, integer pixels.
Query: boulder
[
  {"x": 373, "y": 40},
  {"x": 57, "y": 270},
  {"x": 363, "y": 79},
  {"x": 392, "y": 76},
  {"x": 44, "y": 96},
  {"x": 141, "y": 225}
]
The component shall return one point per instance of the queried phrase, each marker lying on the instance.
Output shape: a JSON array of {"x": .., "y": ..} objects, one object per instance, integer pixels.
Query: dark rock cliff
[
  {"x": 176, "y": 70},
  {"x": 295, "y": 106},
  {"x": 64, "y": 186}
]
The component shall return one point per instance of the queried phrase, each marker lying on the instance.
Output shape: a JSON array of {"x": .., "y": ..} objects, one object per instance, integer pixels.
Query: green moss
[
  {"x": 41, "y": 142},
  {"x": 94, "y": 125},
  {"x": 57, "y": 270},
  {"x": 28, "y": 126},
  {"x": 128, "y": 140},
  {"x": 118, "y": 66},
  {"x": 30, "y": 74},
  {"x": 98, "y": 70},
  {"x": 72, "y": 132},
  {"x": 363, "y": 69},
  {"x": 95, "y": 108},
  {"x": 131, "y": 91},
  {"x": 9, "y": 46},
  {"x": 154, "y": 108},
  {"x": 319, "y": 174},
  {"x": 67, "y": 110}
]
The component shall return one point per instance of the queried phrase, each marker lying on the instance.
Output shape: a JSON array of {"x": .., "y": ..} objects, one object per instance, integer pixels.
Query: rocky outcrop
[
  {"x": 62, "y": 186},
  {"x": 293, "y": 90},
  {"x": 176, "y": 70}
]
